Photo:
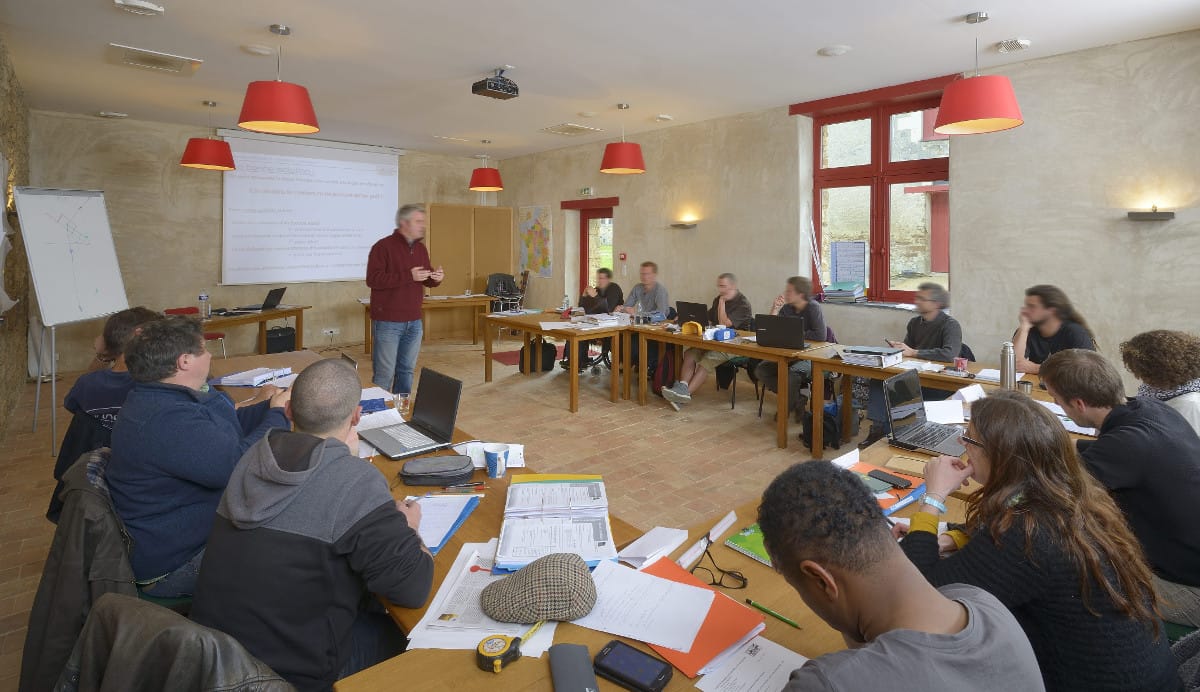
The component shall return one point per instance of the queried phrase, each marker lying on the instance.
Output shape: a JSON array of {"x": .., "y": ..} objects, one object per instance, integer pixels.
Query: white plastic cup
[{"x": 496, "y": 456}]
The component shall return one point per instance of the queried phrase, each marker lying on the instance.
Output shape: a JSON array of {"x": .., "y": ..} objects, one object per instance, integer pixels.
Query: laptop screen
[
  {"x": 436, "y": 405},
  {"x": 273, "y": 297},
  {"x": 906, "y": 406}
]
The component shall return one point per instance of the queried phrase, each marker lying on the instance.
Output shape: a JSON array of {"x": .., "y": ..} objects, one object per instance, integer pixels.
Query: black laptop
[
  {"x": 691, "y": 312},
  {"x": 269, "y": 303},
  {"x": 775, "y": 331},
  {"x": 432, "y": 425},
  {"x": 906, "y": 410}
]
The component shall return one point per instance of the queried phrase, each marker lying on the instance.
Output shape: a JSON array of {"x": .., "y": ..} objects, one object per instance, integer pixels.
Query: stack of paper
[
  {"x": 253, "y": 378},
  {"x": 655, "y": 543},
  {"x": 845, "y": 292},
  {"x": 993, "y": 376},
  {"x": 921, "y": 366},
  {"x": 455, "y": 619},
  {"x": 547, "y": 514}
]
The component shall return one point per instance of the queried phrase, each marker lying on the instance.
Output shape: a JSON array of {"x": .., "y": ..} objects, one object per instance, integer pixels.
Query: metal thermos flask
[{"x": 1008, "y": 366}]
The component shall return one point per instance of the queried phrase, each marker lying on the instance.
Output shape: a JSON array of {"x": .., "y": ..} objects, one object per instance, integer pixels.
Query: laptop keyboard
[
  {"x": 407, "y": 436},
  {"x": 932, "y": 435}
]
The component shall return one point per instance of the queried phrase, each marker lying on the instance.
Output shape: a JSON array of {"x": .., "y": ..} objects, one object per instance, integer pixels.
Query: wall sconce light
[
  {"x": 684, "y": 224},
  {"x": 1153, "y": 215}
]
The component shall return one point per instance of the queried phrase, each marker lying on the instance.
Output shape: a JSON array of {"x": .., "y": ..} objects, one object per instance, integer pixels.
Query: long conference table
[
  {"x": 477, "y": 303},
  {"x": 439, "y": 669}
]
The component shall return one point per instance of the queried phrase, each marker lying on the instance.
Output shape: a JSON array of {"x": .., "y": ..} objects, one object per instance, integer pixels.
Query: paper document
[
  {"x": 847, "y": 460},
  {"x": 441, "y": 515},
  {"x": 455, "y": 619},
  {"x": 972, "y": 392},
  {"x": 371, "y": 421},
  {"x": 285, "y": 381},
  {"x": 653, "y": 544},
  {"x": 365, "y": 301},
  {"x": 556, "y": 325},
  {"x": 255, "y": 377},
  {"x": 993, "y": 376},
  {"x": 760, "y": 665},
  {"x": 375, "y": 393},
  {"x": 949, "y": 412},
  {"x": 1069, "y": 424},
  {"x": 523, "y": 540},
  {"x": 693, "y": 553},
  {"x": 920, "y": 366},
  {"x": 516, "y": 454},
  {"x": 640, "y": 606},
  {"x": 904, "y": 521},
  {"x": 568, "y": 498}
]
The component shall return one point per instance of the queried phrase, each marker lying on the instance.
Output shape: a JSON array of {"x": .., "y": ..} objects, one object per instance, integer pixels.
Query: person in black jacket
[
  {"x": 1148, "y": 456},
  {"x": 305, "y": 533},
  {"x": 605, "y": 297},
  {"x": 1047, "y": 540}
]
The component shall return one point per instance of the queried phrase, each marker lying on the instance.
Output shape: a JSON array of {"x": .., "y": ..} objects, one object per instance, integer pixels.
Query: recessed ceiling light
[
  {"x": 141, "y": 7},
  {"x": 835, "y": 50},
  {"x": 587, "y": 114},
  {"x": 1013, "y": 45},
  {"x": 451, "y": 139},
  {"x": 258, "y": 49},
  {"x": 664, "y": 118},
  {"x": 112, "y": 114}
]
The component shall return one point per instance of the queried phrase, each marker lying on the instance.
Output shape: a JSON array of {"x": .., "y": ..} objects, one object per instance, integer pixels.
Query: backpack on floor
[
  {"x": 549, "y": 354},
  {"x": 832, "y": 428},
  {"x": 664, "y": 372}
]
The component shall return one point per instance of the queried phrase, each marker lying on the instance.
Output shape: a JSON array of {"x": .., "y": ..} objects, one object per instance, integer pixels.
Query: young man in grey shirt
[{"x": 827, "y": 536}]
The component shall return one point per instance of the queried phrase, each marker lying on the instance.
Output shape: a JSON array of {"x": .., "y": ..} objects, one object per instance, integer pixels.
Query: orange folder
[
  {"x": 727, "y": 622},
  {"x": 917, "y": 487}
]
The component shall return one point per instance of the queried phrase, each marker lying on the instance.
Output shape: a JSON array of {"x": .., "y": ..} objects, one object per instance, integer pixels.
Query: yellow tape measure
[{"x": 499, "y": 650}]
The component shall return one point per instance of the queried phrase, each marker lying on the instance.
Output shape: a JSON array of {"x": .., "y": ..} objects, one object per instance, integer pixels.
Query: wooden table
[
  {"x": 532, "y": 335},
  {"x": 782, "y": 357},
  {"x": 479, "y": 304},
  {"x": 223, "y": 322},
  {"x": 437, "y": 669},
  {"x": 825, "y": 360}
]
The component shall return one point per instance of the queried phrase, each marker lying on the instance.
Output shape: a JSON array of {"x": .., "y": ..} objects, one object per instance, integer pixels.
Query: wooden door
[
  {"x": 493, "y": 244},
  {"x": 449, "y": 242}
]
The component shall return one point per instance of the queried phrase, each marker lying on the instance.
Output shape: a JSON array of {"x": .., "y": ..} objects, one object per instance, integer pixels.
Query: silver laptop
[
  {"x": 432, "y": 425},
  {"x": 906, "y": 410}
]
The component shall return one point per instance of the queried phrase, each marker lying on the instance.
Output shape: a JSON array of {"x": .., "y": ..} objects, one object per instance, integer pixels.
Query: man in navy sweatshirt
[
  {"x": 1148, "y": 456},
  {"x": 305, "y": 534},
  {"x": 173, "y": 447}
]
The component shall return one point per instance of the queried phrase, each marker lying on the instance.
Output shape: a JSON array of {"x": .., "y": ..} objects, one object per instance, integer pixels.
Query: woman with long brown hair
[{"x": 1046, "y": 539}]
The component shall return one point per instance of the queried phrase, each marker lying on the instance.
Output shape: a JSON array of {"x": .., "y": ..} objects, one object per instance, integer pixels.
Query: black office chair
[
  {"x": 966, "y": 352},
  {"x": 503, "y": 288}
]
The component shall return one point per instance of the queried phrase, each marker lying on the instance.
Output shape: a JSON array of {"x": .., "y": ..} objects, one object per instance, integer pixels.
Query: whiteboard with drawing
[{"x": 71, "y": 255}]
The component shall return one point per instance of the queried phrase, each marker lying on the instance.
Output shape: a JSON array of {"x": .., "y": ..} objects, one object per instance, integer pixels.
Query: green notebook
[{"x": 749, "y": 542}]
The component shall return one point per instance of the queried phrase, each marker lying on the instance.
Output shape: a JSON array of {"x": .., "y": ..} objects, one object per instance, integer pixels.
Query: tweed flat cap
[{"x": 554, "y": 587}]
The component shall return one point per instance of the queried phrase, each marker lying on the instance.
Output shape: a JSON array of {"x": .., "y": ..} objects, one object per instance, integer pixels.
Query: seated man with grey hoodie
[{"x": 305, "y": 534}]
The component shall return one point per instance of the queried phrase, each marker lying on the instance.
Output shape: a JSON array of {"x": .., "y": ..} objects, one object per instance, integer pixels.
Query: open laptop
[
  {"x": 774, "y": 331},
  {"x": 269, "y": 303},
  {"x": 906, "y": 410},
  {"x": 434, "y": 413},
  {"x": 691, "y": 312}
]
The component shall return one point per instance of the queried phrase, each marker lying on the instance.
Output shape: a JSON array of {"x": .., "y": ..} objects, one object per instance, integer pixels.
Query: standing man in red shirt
[{"x": 397, "y": 270}]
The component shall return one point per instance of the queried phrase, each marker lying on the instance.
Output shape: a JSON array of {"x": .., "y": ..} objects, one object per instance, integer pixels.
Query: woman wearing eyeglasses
[{"x": 1046, "y": 539}]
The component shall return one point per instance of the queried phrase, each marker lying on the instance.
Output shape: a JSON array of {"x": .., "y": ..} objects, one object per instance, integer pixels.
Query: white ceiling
[{"x": 397, "y": 73}]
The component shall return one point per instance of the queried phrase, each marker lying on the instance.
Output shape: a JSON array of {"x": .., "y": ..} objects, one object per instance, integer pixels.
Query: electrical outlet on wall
[{"x": 331, "y": 331}]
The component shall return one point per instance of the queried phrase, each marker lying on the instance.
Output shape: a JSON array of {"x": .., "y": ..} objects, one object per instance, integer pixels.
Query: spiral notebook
[{"x": 749, "y": 542}]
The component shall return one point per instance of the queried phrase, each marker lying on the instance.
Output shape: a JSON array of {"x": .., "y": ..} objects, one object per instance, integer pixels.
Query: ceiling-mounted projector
[{"x": 497, "y": 86}]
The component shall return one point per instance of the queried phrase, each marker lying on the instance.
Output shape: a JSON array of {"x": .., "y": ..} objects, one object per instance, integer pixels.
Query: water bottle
[
  {"x": 205, "y": 306},
  {"x": 566, "y": 304},
  {"x": 1008, "y": 366}
]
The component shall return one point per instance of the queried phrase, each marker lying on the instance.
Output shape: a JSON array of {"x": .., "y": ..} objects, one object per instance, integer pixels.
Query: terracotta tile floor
[{"x": 661, "y": 467}]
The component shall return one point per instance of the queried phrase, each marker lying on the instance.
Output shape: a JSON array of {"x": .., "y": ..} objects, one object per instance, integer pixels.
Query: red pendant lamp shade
[
  {"x": 977, "y": 105},
  {"x": 623, "y": 158},
  {"x": 486, "y": 180},
  {"x": 280, "y": 108},
  {"x": 208, "y": 154}
]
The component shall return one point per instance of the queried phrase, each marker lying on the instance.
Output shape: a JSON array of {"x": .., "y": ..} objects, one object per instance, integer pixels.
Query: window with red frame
[{"x": 882, "y": 180}]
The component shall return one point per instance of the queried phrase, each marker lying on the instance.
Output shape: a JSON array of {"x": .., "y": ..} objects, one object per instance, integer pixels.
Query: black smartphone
[
  {"x": 894, "y": 481},
  {"x": 632, "y": 669}
]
